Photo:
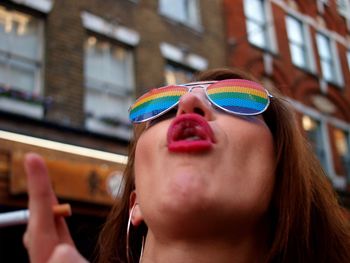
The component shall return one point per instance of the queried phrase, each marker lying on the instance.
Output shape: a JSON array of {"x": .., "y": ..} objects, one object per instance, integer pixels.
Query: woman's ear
[{"x": 135, "y": 210}]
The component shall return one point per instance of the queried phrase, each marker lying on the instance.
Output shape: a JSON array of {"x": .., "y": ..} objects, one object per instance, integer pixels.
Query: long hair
[{"x": 307, "y": 223}]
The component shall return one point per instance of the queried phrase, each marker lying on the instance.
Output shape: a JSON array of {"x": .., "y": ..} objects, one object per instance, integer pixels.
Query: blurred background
[{"x": 70, "y": 69}]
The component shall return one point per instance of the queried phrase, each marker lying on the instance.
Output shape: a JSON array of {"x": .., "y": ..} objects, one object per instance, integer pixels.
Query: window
[
  {"x": 177, "y": 74},
  {"x": 342, "y": 152},
  {"x": 184, "y": 11},
  {"x": 314, "y": 134},
  {"x": 299, "y": 48},
  {"x": 341, "y": 4},
  {"x": 21, "y": 42},
  {"x": 348, "y": 56},
  {"x": 109, "y": 82},
  {"x": 328, "y": 59},
  {"x": 343, "y": 7},
  {"x": 257, "y": 24}
]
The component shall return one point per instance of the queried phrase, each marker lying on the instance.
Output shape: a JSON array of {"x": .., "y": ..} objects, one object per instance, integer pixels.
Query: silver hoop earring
[{"x": 128, "y": 251}]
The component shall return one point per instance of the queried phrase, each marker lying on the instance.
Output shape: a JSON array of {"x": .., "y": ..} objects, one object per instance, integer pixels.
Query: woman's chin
[
  {"x": 185, "y": 197},
  {"x": 186, "y": 187}
]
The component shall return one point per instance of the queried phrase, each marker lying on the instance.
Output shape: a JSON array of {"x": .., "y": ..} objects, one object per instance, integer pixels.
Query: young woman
[{"x": 217, "y": 172}]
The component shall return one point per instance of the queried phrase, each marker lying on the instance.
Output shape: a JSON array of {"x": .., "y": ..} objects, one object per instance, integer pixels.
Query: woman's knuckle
[
  {"x": 62, "y": 251},
  {"x": 25, "y": 240}
]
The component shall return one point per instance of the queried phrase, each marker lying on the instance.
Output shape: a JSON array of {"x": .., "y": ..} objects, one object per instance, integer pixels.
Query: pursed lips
[{"x": 190, "y": 133}]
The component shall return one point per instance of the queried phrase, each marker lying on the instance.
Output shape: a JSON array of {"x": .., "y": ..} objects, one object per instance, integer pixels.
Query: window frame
[
  {"x": 269, "y": 31},
  {"x": 176, "y": 65},
  {"x": 197, "y": 24},
  {"x": 339, "y": 182},
  {"x": 323, "y": 138},
  {"x": 183, "y": 57},
  {"x": 123, "y": 36},
  {"x": 310, "y": 65},
  {"x": 314, "y": 114},
  {"x": 30, "y": 103},
  {"x": 344, "y": 10},
  {"x": 337, "y": 77},
  {"x": 346, "y": 130},
  {"x": 104, "y": 124}
]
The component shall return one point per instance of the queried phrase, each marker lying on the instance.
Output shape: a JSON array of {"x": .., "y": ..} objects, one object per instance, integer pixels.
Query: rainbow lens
[
  {"x": 239, "y": 96},
  {"x": 155, "y": 102}
]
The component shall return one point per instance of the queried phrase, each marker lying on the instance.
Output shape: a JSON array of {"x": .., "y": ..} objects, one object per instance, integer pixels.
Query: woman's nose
[{"x": 196, "y": 102}]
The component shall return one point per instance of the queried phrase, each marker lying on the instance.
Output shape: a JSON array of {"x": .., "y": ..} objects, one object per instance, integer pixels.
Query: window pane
[
  {"x": 325, "y": 54},
  {"x": 256, "y": 22},
  {"x": 327, "y": 70},
  {"x": 323, "y": 45},
  {"x": 173, "y": 8},
  {"x": 342, "y": 152},
  {"x": 103, "y": 104},
  {"x": 313, "y": 131},
  {"x": 185, "y": 11},
  {"x": 254, "y": 10},
  {"x": 109, "y": 81},
  {"x": 298, "y": 55},
  {"x": 22, "y": 75},
  {"x": 295, "y": 31},
  {"x": 341, "y": 4},
  {"x": 256, "y": 34},
  {"x": 175, "y": 74},
  {"x": 20, "y": 33},
  {"x": 4, "y": 77},
  {"x": 109, "y": 64},
  {"x": 25, "y": 39},
  {"x": 193, "y": 12},
  {"x": 20, "y": 50}
]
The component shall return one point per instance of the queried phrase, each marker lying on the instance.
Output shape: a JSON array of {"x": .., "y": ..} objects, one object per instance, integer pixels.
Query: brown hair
[{"x": 307, "y": 223}]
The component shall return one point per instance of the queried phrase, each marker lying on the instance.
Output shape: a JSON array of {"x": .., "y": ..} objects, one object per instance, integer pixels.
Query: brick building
[
  {"x": 303, "y": 49},
  {"x": 69, "y": 70}
]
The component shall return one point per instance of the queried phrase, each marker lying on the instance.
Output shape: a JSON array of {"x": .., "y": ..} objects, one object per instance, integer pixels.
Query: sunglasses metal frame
[{"x": 204, "y": 85}]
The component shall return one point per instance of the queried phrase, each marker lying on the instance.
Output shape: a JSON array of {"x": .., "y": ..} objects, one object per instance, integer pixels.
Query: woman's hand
[{"x": 47, "y": 238}]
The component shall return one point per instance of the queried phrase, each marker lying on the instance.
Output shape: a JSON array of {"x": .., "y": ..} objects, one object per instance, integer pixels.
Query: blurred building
[
  {"x": 303, "y": 49},
  {"x": 69, "y": 71}
]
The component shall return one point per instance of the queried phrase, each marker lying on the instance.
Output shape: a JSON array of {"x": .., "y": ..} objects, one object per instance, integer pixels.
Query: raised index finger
[{"x": 41, "y": 196}]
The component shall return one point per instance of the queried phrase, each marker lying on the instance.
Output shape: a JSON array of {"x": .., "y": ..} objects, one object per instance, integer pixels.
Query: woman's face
[{"x": 203, "y": 163}]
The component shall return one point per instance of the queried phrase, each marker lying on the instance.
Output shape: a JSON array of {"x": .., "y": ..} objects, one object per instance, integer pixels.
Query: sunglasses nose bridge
[
  {"x": 204, "y": 92},
  {"x": 192, "y": 88},
  {"x": 195, "y": 102}
]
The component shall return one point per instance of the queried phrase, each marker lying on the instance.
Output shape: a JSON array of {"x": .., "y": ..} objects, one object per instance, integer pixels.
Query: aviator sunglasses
[{"x": 234, "y": 96}]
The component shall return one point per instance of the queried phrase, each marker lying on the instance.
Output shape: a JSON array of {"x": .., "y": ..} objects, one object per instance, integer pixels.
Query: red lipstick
[{"x": 190, "y": 133}]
